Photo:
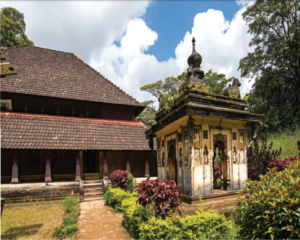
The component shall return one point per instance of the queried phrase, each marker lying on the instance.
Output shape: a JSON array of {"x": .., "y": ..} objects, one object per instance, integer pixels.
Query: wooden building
[{"x": 62, "y": 120}]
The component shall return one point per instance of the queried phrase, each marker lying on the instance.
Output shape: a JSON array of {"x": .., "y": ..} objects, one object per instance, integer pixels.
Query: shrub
[
  {"x": 115, "y": 196},
  {"x": 271, "y": 207},
  {"x": 130, "y": 183},
  {"x": 282, "y": 164},
  {"x": 69, "y": 204},
  {"x": 202, "y": 225},
  {"x": 135, "y": 215},
  {"x": 217, "y": 171},
  {"x": 259, "y": 158},
  {"x": 164, "y": 194},
  {"x": 119, "y": 178},
  {"x": 69, "y": 223}
]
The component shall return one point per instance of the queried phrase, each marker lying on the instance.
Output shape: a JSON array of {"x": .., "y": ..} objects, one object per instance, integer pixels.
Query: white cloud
[{"x": 91, "y": 29}]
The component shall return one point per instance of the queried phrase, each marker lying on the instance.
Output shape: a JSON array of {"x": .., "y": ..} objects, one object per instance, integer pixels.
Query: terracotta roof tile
[
  {"x": 51, "y": 73},
  {"x": 36, "y": 131}
]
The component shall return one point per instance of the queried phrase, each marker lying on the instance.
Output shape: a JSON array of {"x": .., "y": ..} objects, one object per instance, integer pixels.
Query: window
[
  {"x": 234, "y": 135},
  {"x": 205, "y": 134}
]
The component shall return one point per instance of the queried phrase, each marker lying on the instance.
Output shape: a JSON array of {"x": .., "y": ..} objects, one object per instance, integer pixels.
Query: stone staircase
[{"x": 92, "y": 186}]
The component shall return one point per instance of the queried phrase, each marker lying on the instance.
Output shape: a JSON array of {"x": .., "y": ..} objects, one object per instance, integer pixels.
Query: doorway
[
  {"x": 90, "y": 162},
  {"x": 172, "y": 164},
  {"x": 219, "y": 165}
]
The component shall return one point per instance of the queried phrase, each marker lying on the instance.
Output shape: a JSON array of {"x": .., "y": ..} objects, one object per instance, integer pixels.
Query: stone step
[
  {"x": 93, "y": 194},
  {"x": 92, "y": 199},
  {"x": 92, "y": 181},
  {"x": 99, "y": 189}
]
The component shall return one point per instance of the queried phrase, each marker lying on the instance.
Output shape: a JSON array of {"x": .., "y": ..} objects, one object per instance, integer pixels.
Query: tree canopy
[
  {"x": 12, "y": 31},
  {"x": 274, "y": 64},
  {"x": 167, "y": 90}
]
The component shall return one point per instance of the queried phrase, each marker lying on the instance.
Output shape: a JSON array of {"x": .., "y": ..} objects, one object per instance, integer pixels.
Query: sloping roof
[
  {"x": 36, "y": 131},
  {"x": 51, "y": 73}
]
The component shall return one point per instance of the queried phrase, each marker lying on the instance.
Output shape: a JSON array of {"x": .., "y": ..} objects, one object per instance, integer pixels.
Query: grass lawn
[{"x": 35, "y": 221}]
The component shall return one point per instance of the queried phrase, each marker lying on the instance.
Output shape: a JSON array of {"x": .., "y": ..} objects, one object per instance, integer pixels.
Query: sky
[{"x": 134, "y": 43}]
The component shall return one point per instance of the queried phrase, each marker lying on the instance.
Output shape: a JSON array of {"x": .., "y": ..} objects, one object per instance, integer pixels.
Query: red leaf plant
[
  {"x": 119, "y": 178},
  {"x": 217, "y": 171},
  {"x": 282, "y": 164},
  {"x": 164, "y": 194}
]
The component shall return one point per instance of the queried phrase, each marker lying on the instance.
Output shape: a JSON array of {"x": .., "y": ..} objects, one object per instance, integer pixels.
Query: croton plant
[
  {"x": 163, "y": 193},
  {"x": 119, "y": 178}
]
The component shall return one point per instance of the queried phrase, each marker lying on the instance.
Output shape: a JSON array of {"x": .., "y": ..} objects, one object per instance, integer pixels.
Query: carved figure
[
  {"x": 234, "y": 159},
  {"x": 233, "y": 91},
  {"x": 205, "y": 155},
  {"x": 197, "y": 157}
]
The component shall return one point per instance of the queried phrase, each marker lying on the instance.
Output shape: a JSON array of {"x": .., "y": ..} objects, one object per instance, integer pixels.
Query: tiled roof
[
  {"x": 51, "y": 73},
  {"x": 36, "y": 131}
]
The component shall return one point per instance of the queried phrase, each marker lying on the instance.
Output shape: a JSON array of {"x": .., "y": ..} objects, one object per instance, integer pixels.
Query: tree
[
  {"x": 12, "y": 31},
  {"x": 275, "y": 26},
  {"x": 167, "y": 91},
  {"x": 148, "y": 115}
]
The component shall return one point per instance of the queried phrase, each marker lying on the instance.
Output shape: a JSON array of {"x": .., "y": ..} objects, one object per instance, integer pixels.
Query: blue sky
[
  {"x": 165, "y": 16},
  {"x": 134, "y": 43}
]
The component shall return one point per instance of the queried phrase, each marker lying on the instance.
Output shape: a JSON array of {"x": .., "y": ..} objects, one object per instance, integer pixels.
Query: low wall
[{"x": 24, "y": 192}]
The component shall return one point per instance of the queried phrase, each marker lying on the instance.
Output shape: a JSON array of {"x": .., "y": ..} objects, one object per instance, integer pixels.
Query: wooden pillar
[
  {"x": 105, "y": 167},
  {"x": 78, "y": 175},
  {"x": 15, "y": 168},
  {"x": 57, "y": 108},
  {"x": 86, "y": 110},
  {"x": 25, "y": 105},
  {"x": 147, "y": 173},
  {"x": 48, "y": 167},
  {"x": 42, "y": 106},
  {"x": 73, "y": 109},
  {"x": 127, "y": 162},
  {"x": 81, "y": 161}
]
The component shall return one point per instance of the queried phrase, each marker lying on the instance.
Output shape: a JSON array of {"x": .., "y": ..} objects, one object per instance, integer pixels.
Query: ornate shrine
[{"x": 190, "y": 131}]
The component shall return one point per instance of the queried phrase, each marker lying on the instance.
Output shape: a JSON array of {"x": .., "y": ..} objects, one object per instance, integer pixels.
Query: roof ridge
[{"x": 25, "y": 45}]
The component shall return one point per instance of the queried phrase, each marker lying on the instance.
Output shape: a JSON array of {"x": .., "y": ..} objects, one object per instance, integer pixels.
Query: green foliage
[
  {"x": 70, "y": 204},
  {"x": 130, "y": 183},
  {"x": 148, "y": 115},
  {"x": 202, "y": 225},
  {"x": 135, "y": 215},
  {"x": 271, "y": 207},
  {"x": 215, "y": 83},
  {"x": 115, "y": 196},
  {"x": 12, "y": 31},
  {"x": 69, "y": 226},
  {"x": 274, "y": 63}
]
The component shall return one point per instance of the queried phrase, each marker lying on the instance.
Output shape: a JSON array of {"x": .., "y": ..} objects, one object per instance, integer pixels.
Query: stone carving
[
  {"x": 205, "y": 155},
  {"x": 186, "y": 154},
  {"x": 234, "y": 157},
  {"x": 194, "y": 73},
  {"x": 242, "y": 158},
  {"x": 180, "y": 157},
  {"x": 197, "y": 157},
  {"x": 163, "y": 159},
  {"x": 196, "y": 133},
  {"x": 233, "y": 91},
  {"x": 158, "y": 157}
]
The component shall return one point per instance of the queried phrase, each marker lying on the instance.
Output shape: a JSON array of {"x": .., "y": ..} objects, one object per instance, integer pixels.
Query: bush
[
  {"x": 217, "y": 171},
  {"x": 202, "y": 225},
  {"x": 271, "y": 207},
  {"x": 119, "y": 178},
  {"x": 164, "y": 194},
  {"x": 259, "y": 158},
  {"x": 69, "y": 204},
  {"x": 282, "y": 164},
  {"x": 69, "y": 222},
  {"x": 134, "y": 215},
  {"x": 115, "y": 196}
]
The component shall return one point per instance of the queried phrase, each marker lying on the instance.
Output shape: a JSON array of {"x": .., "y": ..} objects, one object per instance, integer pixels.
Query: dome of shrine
[{"x": 195, "y": 59}]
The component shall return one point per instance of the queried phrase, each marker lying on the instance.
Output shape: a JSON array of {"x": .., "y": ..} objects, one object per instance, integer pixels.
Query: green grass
[
  {"x": 31, "y": 221},
  {"x": 287, "y": 140}
]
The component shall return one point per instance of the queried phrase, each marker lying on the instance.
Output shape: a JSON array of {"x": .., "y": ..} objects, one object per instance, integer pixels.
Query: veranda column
[
  {"x": 127, "y": 162},
  {"x": 105, "y": 167},
  {"x": 147, "y": 174},
  {"x": 78, "y": 170},
  {"x": 15, "y": 168},
  {"x": 48, "y": 167}
]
